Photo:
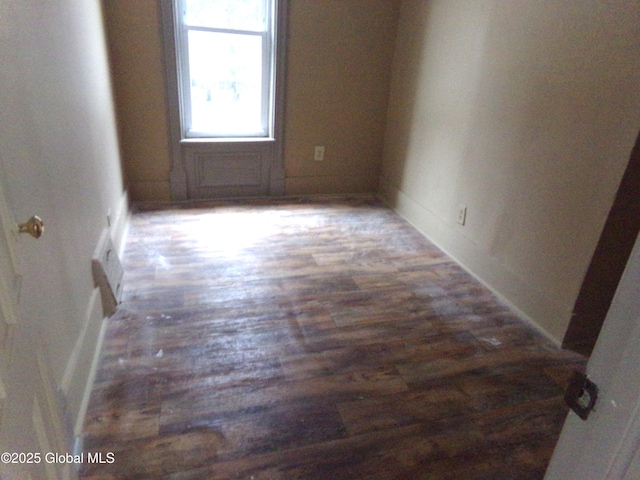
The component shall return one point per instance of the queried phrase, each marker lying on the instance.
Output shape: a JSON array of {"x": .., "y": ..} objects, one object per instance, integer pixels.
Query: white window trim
[{"x": 268, "y": 68}]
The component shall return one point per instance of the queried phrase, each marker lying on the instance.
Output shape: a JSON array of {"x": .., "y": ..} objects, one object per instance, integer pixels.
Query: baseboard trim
[
  {"x": 84, "y": 404},
  {"x": 120, "y": 225},
  {"x": 82, "y": 364},
  {"x": 77, "y": 381},
  {"x": 527, "y": 303}
]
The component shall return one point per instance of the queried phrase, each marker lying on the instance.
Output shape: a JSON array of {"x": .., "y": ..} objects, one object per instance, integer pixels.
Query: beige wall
[
  {"x": 338, "y": 78},
  {"x": 338, "y": 75},
  {"x": 135, "y": 45},
  {"x": 525, "y": 112}
]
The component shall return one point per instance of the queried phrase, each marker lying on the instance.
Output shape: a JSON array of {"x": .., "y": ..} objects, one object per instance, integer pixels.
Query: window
[
  {"x": 225, "y": 51},
  {"x": 225, "y": 71}
]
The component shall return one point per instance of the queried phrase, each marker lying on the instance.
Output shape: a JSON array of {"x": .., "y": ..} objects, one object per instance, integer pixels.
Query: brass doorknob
[{"x": 34, "y": 227}]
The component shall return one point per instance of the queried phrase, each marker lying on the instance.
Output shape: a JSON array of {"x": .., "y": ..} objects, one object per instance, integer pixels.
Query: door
[
  {"x": 607, "y": 444},
  {"x": 225, "y": 72},
  {"x": 34, "y": 331},
  {"x": 31, "y": 426}
]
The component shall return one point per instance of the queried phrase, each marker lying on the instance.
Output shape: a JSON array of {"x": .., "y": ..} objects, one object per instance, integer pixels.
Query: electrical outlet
[
  {"x": 462, "y": 214},
  {"x": 318, "y": 154}
]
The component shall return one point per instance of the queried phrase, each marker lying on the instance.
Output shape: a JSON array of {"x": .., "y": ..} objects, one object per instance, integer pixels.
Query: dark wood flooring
[{"x": 314, "y": 339}]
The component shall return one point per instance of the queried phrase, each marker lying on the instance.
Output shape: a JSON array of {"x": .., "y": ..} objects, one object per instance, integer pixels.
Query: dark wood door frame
[{"x": 608, "y": 262}]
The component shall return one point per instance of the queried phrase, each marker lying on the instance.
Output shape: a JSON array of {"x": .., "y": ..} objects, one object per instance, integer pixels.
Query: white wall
[
  {"x": 60, "y": 155},
  {"x": 525, "y": 112}
]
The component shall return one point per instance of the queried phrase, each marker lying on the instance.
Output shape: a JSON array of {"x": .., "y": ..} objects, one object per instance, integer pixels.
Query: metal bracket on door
[{"x": 581, "y": 395}]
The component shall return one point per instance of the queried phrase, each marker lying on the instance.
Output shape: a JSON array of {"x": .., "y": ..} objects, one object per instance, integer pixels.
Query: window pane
[
  {"x": 231, "y": 14},
  {"x": 226, "y": 83}
]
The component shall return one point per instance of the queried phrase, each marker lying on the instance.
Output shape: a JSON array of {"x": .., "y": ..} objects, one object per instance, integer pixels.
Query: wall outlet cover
[{"x": 318, "y": 154}]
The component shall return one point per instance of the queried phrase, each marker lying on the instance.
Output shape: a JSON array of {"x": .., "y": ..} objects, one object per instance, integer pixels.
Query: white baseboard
[
  {"x": 82, "y": 364},
  {"x": 120, "y": 224},
  {"x": 79, "y": 374},
  {"x": 93, "y": 369},
  {"x": 531, "y": 305}
]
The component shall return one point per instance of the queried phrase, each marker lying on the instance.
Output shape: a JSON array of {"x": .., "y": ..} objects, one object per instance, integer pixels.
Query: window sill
[{"x": 199, "y": 140}]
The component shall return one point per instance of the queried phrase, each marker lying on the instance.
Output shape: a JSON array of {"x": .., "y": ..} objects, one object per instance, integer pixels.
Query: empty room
[{"x": 319, "y": 239}]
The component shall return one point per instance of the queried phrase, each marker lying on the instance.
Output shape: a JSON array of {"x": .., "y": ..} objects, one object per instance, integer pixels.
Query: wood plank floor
[{"x": 314, "y": 339}]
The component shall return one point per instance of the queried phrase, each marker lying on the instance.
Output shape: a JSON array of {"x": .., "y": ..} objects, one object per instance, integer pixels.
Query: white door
[
  {"x": 31, "y": 424},
  {"x": 58, "y": 160},
  {"x": 607, "y": 444},
  {"x": 31, "y": 287}
]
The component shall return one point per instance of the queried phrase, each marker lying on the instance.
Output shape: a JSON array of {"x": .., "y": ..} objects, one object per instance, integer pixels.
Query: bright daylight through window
[{"x": 225, "y": 52}]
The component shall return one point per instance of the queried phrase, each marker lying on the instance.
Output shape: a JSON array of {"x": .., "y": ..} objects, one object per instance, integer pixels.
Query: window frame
[
  {"x": 181, "y": 149},
  {"x": 268, "y": 36}
]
